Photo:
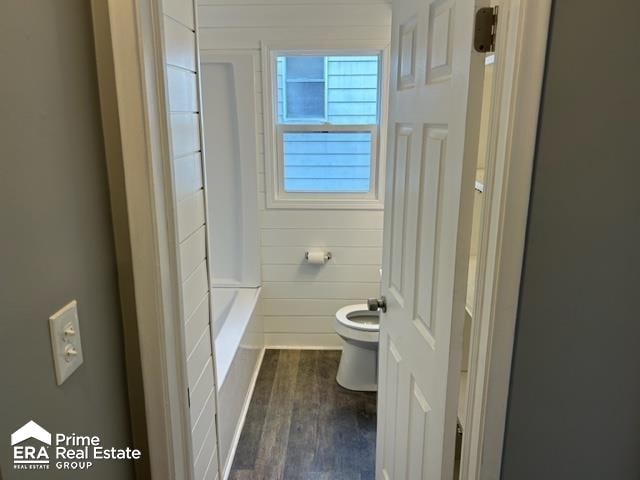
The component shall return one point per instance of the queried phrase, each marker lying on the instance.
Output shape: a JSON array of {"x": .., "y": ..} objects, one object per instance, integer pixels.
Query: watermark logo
[
  {"x": 34, "y": 448},
  {"x": 30, "y": 445}
]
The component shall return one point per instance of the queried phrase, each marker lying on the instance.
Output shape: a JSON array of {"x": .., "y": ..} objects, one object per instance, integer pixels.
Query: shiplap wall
[
  {"x": 299, "y": 300},
  {"x": 184, "y": 122}
]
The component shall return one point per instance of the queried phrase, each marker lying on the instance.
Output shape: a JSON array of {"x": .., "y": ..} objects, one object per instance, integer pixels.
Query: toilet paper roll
[{"x": 316, "y": 257}]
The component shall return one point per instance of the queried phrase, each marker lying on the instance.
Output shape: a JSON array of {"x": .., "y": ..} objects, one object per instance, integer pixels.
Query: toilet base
[{"x": 358, "y": 368}]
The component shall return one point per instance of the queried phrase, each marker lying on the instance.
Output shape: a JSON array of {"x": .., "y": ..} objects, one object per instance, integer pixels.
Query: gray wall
[
  {"x": 56, "y": 241},
  {"x": 574, "y": 410}
]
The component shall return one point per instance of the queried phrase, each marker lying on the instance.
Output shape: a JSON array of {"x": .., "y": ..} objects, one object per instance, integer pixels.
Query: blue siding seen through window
[
  {"x": 327, "y": 160},
  {"x": 331, "y": 162}
]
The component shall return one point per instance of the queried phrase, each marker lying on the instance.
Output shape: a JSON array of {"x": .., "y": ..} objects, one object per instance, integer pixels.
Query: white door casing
[{"x": 435, "y": 93}]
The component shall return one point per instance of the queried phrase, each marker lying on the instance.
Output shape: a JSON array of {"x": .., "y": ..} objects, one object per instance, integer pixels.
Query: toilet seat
[
  {"x": 348, "y": 326},
  {"x": 347, "y": 314}
]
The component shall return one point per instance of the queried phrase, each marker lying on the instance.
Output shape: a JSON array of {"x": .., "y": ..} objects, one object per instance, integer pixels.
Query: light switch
[{"x": 65, "y": 341}]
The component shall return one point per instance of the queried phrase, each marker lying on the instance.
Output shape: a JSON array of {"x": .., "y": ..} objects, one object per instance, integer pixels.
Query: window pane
[
  {"x": 349, "y": 95},
  {"x": 333, "y": 162},
  {"x": 352, "y": 90},
  {"x": 305, "y": 67},
  {"x": 305, "y": 100}
]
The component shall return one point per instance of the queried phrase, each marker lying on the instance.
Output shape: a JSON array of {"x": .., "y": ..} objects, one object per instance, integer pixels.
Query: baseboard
[
  {"x": 317, "y": 341},
  {"x": 302, "y": 347},
  {"x": 243, "y": 416}
]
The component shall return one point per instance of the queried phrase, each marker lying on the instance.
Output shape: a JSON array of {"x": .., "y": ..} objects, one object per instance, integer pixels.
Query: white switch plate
[{"x": 65, "y": 341}]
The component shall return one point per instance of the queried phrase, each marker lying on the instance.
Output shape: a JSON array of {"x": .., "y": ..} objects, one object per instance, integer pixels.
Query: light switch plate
[{"x": 65, "y": 341}]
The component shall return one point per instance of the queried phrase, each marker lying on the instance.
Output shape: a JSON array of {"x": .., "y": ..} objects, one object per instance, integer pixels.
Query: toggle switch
[
  {"x": 69, "y": 353},
  {"x": 69, "y": 331},
  {"x": 64, "y": 327}
]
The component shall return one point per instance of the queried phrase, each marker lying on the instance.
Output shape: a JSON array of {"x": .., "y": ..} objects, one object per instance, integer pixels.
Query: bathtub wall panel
[
  {"x": 299, "y": 299},
  {"x": 180, "y": 48},
  {"x": 234, "y": 393},
  {"x": 230, "y": 131}
]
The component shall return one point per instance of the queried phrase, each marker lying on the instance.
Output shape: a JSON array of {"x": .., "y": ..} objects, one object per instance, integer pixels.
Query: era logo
[{"x": 30, "y": 456}]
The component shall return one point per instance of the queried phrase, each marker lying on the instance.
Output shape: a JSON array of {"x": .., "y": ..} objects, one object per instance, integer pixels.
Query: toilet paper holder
[{"x": 327, "y": 256}]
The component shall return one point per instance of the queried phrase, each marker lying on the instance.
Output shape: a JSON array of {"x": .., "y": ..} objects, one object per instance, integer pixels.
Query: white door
[{"x": 433, "y": 120}]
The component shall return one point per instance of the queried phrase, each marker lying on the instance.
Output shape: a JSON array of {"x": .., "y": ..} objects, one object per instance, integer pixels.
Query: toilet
[{"x": 360, "y": 330}]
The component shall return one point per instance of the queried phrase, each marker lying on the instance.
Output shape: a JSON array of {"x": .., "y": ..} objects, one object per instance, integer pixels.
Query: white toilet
[{"x": 360, "y": 330}]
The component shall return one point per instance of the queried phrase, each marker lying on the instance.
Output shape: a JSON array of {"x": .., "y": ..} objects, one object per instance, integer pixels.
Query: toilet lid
[{"x": 359, "y": 317}]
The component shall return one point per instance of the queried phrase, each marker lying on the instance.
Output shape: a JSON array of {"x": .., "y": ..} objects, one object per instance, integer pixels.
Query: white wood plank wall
[
  {"x": 300, "y": 300},
  {"x": 185, "y": 123}
]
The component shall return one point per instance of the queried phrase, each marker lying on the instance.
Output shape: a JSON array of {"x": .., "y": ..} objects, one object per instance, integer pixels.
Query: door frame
[
  {"x": 521, "y": 44},
  {"x": 129, "y": 48},
  {"x": 129, "y": 53}
]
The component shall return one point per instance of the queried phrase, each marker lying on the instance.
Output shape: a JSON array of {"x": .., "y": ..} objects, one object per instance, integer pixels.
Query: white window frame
[{"x": 276, "y": 196}]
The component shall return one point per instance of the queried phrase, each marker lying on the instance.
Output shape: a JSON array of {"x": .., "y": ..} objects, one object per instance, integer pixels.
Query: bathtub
[{"x": 238, "y": 337}]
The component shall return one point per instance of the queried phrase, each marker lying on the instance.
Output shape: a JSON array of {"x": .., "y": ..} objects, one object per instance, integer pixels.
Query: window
[{"x": 326, "y": 126}]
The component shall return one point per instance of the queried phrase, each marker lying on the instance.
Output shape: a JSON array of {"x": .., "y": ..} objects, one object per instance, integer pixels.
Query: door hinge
[
  {"x": 188, "y": 397},
  {"x": 484, "y": 38}
]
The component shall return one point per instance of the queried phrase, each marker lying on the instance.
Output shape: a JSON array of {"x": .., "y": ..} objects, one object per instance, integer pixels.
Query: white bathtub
[{"x": 238, "y": 336}]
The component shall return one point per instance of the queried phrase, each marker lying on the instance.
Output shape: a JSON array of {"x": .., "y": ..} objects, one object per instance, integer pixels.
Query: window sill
[{"x": 325, "y": 204}]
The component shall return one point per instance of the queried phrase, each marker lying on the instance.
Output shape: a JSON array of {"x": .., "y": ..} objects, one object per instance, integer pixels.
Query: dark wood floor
[{"x": 302, "y": 425}]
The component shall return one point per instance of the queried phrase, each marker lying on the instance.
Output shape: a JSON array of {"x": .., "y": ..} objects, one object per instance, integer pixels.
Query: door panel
[
  {"x": 419, "y": 410},
  {"x": 429, "y": 207},
  {"x": 400, "y": 178},
  {"x": 392, "y": 368},
  {"x": 430, "y": 177},
  {"x": 440, "y": 43}
]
